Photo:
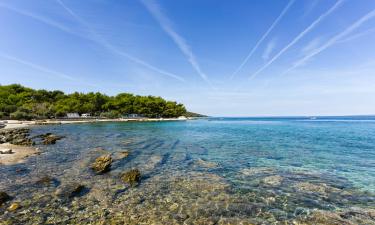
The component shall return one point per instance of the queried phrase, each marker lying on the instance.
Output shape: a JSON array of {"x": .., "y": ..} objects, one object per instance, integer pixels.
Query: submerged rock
[
  {"x": 121, "y": 155},
  {"x": 272, "y": 180},
  {"x": 4, "y": 197},
  {"x": 131, "y": 177},
  {"x": 46, "y": 181},
  {"x": 102, "y": 164},
  {"x": 205, "y": 164},
  {"x": 14, "y": 206},
  {"x": 69, "y": 190},
  {"x": 257, "y": 171},
  {"x": 51, "y": 139}
]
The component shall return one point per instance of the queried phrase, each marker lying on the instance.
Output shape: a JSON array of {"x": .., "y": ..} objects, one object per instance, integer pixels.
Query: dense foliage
[{"x": 18, "y": 102}]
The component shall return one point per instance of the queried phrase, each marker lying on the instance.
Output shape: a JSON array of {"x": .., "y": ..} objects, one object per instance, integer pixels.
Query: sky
[{"x": 219, "y": 58}]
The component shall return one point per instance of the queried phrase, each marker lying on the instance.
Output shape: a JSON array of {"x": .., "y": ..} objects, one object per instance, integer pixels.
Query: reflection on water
[{"x": 229, "y": 171}]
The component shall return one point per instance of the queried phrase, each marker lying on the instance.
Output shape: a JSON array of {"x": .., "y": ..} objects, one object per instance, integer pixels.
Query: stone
[
  {"x": 4, "y": 197},
  {"x": 6, "y": 151},
  {"x": 272, "y": 180},
  {"x": 45, "y": 180},
  {"x": 51, "y": 139},
  {"x": 69, "y": 190},
  {"x": 18, "y": 136},
  {"x": 205, "y": 164},
  {"x": 14, "y": 206},
  {"x": 102, "y": 164},
  {"x": 131, "y": 177}
]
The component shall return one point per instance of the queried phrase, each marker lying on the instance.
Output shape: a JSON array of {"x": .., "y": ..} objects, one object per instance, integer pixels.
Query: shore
[
  {"x": 9, "y": 124},
  {"x": 18, "y": 155}
]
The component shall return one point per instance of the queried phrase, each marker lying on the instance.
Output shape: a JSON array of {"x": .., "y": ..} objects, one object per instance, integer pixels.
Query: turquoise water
[{"x": 259, "y": 170}]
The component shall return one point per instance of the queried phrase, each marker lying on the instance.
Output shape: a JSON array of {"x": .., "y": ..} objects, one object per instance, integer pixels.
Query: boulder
[
  {"x": 102, "y": 164},
  {"x": 131, "y": 177},
  {"x": 51, "y": 139}
]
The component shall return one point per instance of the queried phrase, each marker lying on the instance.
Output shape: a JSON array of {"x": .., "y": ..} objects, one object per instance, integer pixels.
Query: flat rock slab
[{"x": 19, "y": 153}]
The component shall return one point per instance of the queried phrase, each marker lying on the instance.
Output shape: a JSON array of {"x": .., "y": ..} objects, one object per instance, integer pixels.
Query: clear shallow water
[{"x": 259, "y": 170}]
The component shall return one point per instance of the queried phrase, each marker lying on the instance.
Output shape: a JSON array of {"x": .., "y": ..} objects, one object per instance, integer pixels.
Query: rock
[
  {"x": 4, "y": 197},
  {"x": 205, "y": 164},
  {"x": 322, "y": 189},
  {"x": 69, "y": 190},
  {"x": 14, "y": 206},
  {"x": 45, "y": 180},
  {"x": 131, "y": 177},
  {"x": 121, "y": 155},
  {"x": 272, "y": 180},
  {"x": 51, "y": 139},
  {"x": 173, "y": 207},
  {"x": 6, "y": 151},
  {"x": 102, "y": 164},
  {"x": 257, "y": 170},
  {"x": 19, "y": 136}
]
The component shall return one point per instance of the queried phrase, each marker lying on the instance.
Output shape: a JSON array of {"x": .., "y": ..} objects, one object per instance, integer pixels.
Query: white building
[{"x": 72, "y": 115}]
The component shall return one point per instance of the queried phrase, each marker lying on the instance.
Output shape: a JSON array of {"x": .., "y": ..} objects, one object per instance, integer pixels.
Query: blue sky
[{"x": 224, "y": 58}]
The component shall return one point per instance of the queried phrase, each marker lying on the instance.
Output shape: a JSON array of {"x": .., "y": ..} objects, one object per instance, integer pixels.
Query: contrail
[
  {"x": 43, "y": 69},
  {"x": 39, "y": 17},
  {"x": 332, "y": 41},
  {"x": 357, "y": 35},
  {"x": 263, "y": 37},
  {"x": 106, "y": 44},
  {"x": 67, "y": 30},
  {"x": 97, "y": 38},
  {"x": 299, "y": 36},
  {"x": 166, "y": 25}
]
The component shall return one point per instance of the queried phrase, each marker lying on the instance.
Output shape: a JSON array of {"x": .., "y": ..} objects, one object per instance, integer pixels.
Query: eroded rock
[
  {"x": 102, "y": 164},
  {"x": 131, "y": 177}
]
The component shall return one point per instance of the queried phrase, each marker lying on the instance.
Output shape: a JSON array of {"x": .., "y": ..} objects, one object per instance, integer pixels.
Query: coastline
[{"x": 11, "y": 124}]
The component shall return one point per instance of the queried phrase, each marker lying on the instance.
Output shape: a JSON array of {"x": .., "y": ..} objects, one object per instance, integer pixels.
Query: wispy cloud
[
  {"x": 357, "y": 35},
  {"x": 269, "y": 49},
  {"x": 313, "y": 44},
  {"x": 262, "y": 38},
  {"x": 40, "y": 18},
  {"x": 335, "y": 39},
  {"x": 99, "y": 39},
  {"x": 298, "y": 37},
  {"x": 44, "y": 69},
  {"x": 94, "y": 38},
  {"x": 166, "y": 25}
]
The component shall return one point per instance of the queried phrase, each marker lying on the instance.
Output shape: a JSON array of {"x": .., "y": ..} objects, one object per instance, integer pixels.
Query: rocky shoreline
[{"x": 96, "y": 190}]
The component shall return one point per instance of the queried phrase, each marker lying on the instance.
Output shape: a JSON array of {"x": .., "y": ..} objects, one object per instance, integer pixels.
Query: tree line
[{"x": 19, "y": 102}]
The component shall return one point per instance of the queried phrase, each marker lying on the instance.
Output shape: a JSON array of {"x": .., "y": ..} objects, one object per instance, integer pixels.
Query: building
[
  {"x": 72, "y": 115},
  {"x": 86, "y": 115},
  {"x": 133, "y": 116}
]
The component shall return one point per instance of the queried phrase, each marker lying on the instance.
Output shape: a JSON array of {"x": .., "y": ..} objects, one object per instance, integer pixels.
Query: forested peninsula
[{"x": 19, "y": 102}]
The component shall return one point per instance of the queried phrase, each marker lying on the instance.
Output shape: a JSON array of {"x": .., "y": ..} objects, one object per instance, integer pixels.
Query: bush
[
  {"x": 111, "y": 114},
  {"x": 19, "y": 115}
]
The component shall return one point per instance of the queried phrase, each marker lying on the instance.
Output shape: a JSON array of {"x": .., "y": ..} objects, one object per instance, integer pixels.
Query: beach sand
[{"x": 18, "y": 155}]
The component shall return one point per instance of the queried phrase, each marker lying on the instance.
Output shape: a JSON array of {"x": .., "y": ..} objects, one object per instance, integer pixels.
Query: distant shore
[{"x": 9, "y": 124}]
